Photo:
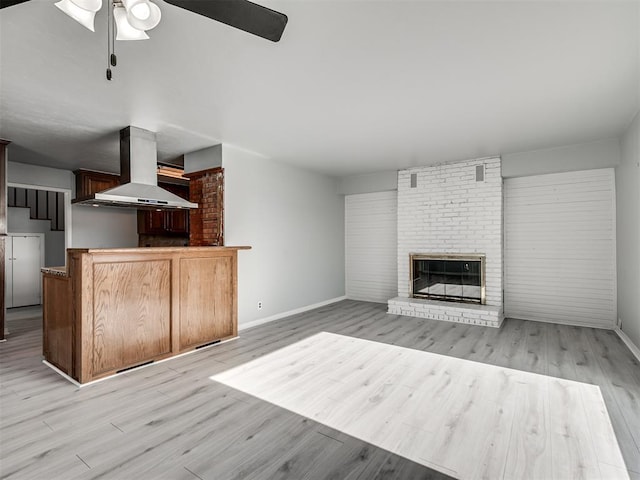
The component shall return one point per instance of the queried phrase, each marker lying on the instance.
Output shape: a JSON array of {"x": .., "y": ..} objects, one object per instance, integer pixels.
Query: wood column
[
  {"x": 3, "y": 228},
  {"x": 206, "y": 188}
]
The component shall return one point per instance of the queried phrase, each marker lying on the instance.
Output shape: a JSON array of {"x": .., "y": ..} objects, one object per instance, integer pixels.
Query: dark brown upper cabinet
[{"x": 89, "y": 182}]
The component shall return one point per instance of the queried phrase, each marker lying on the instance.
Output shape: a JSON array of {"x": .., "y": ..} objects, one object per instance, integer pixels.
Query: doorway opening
[{"x": 38, "y": 235}]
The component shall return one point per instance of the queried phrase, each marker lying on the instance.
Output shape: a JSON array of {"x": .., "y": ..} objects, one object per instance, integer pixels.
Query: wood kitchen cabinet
[
  {"x": 178, "y": 222},
  {"x": 166, "y": 222},
  {"x": 150, "y": 222},
  {"x": 114, "y": 309},
  {"x": 89, "y": 182},
  {"x": 57, "y": 342}
]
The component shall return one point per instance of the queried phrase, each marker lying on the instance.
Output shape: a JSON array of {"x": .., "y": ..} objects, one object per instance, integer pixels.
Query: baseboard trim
[
  {"x": 278, "y": 316},
  {"x": 569, "y": 324},
  {"x": 67, "y": 377},
  {"x": 627, "y": 341}
]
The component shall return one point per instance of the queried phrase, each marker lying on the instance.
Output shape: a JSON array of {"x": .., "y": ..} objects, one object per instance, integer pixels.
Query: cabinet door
[
  {"x": 156, "y": 221},
  {"x": 151, "y": 222},
  {"x": 178, "y": 221},
  {"x": 163, "y": 223},
  {"x": 206, "y": 300},
  {"x": 94, "y": 185},
  {"x": 166, "y": 222},
  {"x": 26, "y": 279},
  {"x": 88, "y": 182},
  {"x": 132, "y": 313}
]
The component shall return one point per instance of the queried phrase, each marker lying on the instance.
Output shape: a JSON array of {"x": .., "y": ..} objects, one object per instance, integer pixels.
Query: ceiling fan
[{"x": 241, "y": 14}]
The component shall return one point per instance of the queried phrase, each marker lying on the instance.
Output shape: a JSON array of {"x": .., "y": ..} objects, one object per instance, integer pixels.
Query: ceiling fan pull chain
[{"x": 112, "y": 59}]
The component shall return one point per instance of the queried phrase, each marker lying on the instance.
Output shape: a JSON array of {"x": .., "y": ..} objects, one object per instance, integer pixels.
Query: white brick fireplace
[{"x": 446, "y": 209}]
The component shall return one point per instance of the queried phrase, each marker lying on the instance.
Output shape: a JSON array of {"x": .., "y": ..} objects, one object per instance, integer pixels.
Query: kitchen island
[{"x": 115, "y": 309}]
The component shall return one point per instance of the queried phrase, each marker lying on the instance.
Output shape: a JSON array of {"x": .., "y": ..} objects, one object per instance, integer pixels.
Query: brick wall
[
  {"x": 449, "y": 212},
  {"x": 206, "y": 188}
]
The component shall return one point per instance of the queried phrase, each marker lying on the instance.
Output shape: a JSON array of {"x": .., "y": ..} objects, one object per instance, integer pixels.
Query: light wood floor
[
  {"x": 467, "y": 419},
  {"x": 171, "y": 420}
]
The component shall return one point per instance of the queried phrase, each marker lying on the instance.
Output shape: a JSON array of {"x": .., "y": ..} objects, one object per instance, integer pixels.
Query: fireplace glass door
[{"x": 448, "y": 278}]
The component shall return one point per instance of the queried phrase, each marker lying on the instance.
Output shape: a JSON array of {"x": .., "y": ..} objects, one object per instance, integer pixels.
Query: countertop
[
  {"x": 62, "y": 271},
  {"x": 156, "y": 249},
  {"x": 57, "y": 271}
]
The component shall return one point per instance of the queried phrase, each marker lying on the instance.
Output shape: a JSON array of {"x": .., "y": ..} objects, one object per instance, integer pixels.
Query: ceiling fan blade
[
  {"x": 241, "y": 14},
  {"x": 9, "y": 3}
]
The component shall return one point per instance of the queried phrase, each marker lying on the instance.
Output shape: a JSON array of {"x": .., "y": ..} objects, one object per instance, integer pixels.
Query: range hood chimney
[{"x": 138, "y": 174}]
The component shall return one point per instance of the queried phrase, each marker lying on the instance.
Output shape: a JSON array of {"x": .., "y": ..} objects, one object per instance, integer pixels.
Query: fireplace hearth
[{"x": 448, "y": 277}]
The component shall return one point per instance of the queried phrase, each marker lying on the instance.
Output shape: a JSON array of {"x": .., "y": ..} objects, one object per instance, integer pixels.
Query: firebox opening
[{"x": 454, "y": 278}]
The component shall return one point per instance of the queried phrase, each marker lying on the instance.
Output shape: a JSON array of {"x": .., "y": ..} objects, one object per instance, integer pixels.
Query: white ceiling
[{"x": 352, "y": 87}]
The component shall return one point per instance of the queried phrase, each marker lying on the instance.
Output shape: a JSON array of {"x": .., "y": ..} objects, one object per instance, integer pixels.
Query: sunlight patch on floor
[{"x": 463, "y": 418}]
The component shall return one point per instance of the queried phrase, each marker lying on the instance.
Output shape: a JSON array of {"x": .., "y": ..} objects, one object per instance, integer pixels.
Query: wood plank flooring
[
  {"x": 171, "y": 421},
  {"x": 466, "y": 418}
]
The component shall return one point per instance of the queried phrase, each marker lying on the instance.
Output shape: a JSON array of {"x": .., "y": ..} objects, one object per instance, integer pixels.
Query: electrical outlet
[{"x": 260, "y": 305}]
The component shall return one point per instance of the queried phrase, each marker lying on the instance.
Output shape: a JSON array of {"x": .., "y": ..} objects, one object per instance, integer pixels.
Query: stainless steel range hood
[{"x": 138, "y": 174}]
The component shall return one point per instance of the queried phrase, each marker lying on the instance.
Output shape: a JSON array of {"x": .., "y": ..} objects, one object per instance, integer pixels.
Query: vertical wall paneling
[
  {"x": 371, "y": 246},
  {"x": 560, "y": 258}
]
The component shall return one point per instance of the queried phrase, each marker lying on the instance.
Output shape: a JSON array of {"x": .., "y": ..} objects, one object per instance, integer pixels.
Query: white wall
[
  {"x": 210, "y": 157},
  {"x": 104, "y": 227},
  {"x": 368, "y": 183},
  {"x": 41, "y": 176},
  {"x": 567, "y": 158},
  {"x": 584, "y": 156},
  {"x": 294, "y": 221},
  {"x": 90, "y": 227},
  {"x": 628, "y": 232},
  {"x": 371, "y": 243}
]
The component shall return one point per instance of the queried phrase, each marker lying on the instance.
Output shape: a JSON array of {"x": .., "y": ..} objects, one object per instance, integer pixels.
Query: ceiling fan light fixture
[
  {"x": 125, "y": 31},
  {"x": 142, "y": 14},
  {"x": 136, "y": 6},
  {"x": 141, "y": 11},
  {"x": 91, "y": 5},
  {"x": 81, "y": 15}
]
